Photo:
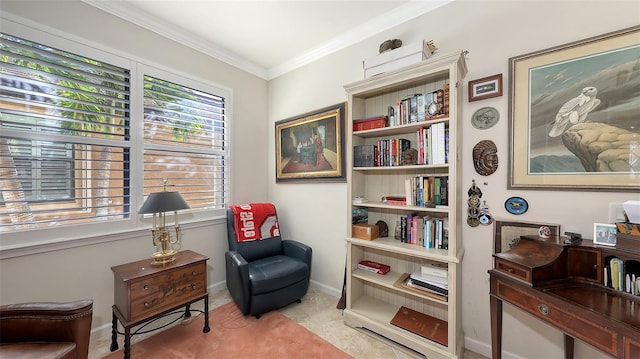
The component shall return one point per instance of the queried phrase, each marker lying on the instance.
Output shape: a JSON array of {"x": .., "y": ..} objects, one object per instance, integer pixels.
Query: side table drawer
[
  {"x": 571, "y": 323},
  {"x": 154, "y": 294}
]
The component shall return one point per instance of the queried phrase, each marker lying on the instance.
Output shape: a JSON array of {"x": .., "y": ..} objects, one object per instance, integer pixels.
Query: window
[
  {"x": 65, "y": 143},
  {"x": 83, "y": 140},
  {"x": 185, "y": 143}
]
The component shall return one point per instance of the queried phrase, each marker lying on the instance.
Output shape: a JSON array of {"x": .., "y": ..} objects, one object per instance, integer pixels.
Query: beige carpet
[
  {"x": 235, "y": 336},
  {"x": 317, "y": 313}
]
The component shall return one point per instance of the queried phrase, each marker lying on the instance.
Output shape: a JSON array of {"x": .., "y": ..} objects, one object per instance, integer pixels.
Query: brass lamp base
[{"x": 164, "y": 257}]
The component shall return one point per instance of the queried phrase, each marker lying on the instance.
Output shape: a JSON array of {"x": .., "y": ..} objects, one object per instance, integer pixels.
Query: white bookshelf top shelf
[
  {"x": 398, "y": 130},
  {"x": 393, "y": 245},
  {"x": 437, "y": 209}
]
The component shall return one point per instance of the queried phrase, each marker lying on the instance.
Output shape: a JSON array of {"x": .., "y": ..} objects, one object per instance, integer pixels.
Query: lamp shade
[{"x": 163, "y": 202}]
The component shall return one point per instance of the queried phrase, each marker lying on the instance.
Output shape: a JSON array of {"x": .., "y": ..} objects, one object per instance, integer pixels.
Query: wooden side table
[{"x": 144, "y": 292}]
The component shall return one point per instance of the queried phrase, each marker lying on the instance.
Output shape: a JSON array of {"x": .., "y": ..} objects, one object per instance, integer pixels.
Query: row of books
[
  {"x": 424, "y": 231},
  {"x": 433, "y": 144},
  {"x": 389, "y": 152},
  {"x": 617, "y": 277},
  {"x": 427, "y": 191},
  {"x": 419, "y": 107}
]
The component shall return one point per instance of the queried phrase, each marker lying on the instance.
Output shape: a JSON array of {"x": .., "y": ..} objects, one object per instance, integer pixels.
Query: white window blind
[
  {"x": 185, "y": 143},
  {"x": 64, "y": 137}
]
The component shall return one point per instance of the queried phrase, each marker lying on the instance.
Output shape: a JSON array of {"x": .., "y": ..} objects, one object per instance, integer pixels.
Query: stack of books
[{"x": 433, "y": 281}]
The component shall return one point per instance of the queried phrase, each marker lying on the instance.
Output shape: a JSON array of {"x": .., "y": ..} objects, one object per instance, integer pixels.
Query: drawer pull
[
  {"x": 193, "y": 273},
  {"x": 510, "y": 270},
  {"x": 146, "y": 304},
  {"x": 146, "y": 287},
  {"x": 193, "y": 287},
  {"x": 544, "y": 309}
]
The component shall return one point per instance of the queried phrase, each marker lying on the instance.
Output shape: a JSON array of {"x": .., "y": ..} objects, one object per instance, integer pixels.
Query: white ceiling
[{"x": 267, "y": 37}]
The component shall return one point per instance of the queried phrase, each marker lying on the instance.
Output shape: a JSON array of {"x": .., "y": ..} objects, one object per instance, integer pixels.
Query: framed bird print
[{"x": 574, "y": 121}]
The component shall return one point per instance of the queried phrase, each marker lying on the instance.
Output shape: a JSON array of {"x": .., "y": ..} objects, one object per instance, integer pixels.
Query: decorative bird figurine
[{"x": 575, "y": 110}]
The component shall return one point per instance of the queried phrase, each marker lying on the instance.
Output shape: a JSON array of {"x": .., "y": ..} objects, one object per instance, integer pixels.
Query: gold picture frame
[
  {"x": 310, "y": 147},
  {"x": 507, "y": 233},
  {"x": 560, "y": 99}
]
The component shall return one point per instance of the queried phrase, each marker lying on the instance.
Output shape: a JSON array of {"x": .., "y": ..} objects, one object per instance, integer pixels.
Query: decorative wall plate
[
  {"x": 485, "y": 157},
  {"x": 516, "y": 205},
  {"x": 485, "y": 118}
]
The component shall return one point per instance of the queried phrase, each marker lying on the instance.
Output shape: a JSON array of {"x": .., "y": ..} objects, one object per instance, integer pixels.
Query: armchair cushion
[
  {"x": 277, "y": 272},
  {"x": 56, "y": 330}
]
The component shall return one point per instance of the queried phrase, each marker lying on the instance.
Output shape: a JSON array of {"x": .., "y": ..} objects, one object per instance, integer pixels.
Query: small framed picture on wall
[{"x": 604, "y": 234}]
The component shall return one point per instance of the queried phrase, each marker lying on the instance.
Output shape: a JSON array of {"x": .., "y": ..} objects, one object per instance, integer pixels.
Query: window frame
[{"x": 32, "y": 241}]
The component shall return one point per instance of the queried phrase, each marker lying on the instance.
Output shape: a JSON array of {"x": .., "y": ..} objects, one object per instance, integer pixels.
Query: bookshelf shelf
[{"x": 372, "y": 299}]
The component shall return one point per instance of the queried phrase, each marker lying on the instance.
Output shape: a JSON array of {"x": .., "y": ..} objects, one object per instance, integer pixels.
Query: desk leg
[
  {"x": 114, "y": 333},
  {"x": 127, "y": 342},
  {"x": 568, "y": 347},
  {"x": 206, "y": 328},
  {"x": 496, "y": 327}
]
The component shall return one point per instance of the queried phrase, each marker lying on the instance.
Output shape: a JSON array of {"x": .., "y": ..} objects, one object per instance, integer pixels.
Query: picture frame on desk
[
  {"x": 507, "y": 233},
  {"x": 560, "y": 100},
  {"x": 486, "y": 87},
  {"x": 605, "y": 234},
  {"x": 310, "y": 147}
]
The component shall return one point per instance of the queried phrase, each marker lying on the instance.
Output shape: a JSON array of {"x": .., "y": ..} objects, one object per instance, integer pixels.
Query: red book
[{"x": 374, "y": 267}]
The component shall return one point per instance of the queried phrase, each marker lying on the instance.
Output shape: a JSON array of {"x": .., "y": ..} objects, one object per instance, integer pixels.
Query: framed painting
[
  {"x": 485, "y": 87},
  {"x": 506, "y": 234},
  {"x": 573, "y": 115},
  {"x": 310, "y": 147}
]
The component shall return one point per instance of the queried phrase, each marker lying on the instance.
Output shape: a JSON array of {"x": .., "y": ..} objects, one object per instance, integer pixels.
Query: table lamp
[{"x": 158, "y": 204}]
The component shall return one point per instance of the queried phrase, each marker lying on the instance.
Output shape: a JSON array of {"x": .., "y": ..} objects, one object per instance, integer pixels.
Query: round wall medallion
[
  {"x": 485, "y": 118},
  {"x": 485, "y": 157},
  {"x": 516, "y": 205}
]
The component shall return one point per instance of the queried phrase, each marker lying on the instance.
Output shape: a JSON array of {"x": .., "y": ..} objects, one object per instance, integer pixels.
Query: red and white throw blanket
[{"x": 255, "y": 221}]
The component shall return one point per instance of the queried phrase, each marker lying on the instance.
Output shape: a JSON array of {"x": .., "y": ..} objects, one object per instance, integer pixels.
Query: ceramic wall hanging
[{"x": 485, "y": 157}]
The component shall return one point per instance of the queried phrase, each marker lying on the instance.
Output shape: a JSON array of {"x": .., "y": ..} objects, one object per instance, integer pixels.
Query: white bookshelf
[{"x": 373, "y": 299}]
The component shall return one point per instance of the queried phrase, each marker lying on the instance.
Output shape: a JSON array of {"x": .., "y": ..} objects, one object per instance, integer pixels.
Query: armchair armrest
[
  {"x": 237, "y": 269},
  {"x": 297, "y": 250},
  {"x": 48, "y": 322}
]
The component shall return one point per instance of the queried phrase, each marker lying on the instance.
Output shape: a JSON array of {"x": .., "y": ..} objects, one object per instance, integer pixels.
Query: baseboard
[
  {"x": 326, "y": 289},
  {"x": 485, "y": 349}
]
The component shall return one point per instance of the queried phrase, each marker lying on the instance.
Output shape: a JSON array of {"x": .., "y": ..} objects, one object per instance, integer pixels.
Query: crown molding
[
  {"x": 397, "y": 16},
  {"x": 401, "y": 14}
]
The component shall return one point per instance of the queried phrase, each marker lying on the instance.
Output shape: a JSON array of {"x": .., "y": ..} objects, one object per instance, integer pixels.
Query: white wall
[
  {"x": 492, "y": 32},
  {"x": 85, "y": 272}
]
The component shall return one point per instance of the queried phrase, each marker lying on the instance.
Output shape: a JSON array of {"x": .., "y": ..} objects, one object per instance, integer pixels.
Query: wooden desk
[
  {"x": 564, "y": 286},
  {"x": 144, "y": 292}
]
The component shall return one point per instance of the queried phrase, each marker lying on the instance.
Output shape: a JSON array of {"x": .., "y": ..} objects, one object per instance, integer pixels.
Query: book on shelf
[
  {"x": 435, "y": 269},
  {"x": 364, "y": 156},
  {"x": 370, "y": 123},
  {"x": 430, "y": 279},
  {"x": 422, "y": 324},
  {"x": 432, "y": 290},
  {"x": 396, "y": 200},
  {"x": 374, "y": 267}
]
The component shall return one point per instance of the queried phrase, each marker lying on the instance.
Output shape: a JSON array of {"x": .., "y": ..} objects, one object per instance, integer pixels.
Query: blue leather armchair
[{"x": 266, "y": 273}]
